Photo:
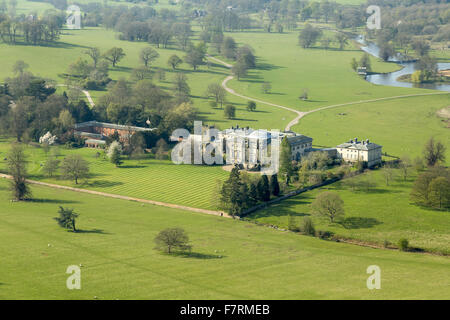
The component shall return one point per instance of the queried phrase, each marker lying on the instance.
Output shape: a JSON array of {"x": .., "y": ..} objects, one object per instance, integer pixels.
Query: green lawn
[
  {"x": 159, "y": 180},
  {"x": 27, "y": 7},
  {"x": 401, "y": 126},
  {"x": 384, "y": 213},
  {"x": 325, "y": 73},
  {"x": 233, "y": 260},
  {"x": 50, "y": 62}
]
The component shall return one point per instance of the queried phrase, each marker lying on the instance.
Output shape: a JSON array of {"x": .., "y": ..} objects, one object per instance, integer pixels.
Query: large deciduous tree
[
  {"x": 174, "y": 61},
  {"x": 328, "y": 204},
  {"x": 239, "y": 69},
  {"x": 434, "y": 152},
  {"x": 74, "y": 167},
  {"x": 114, "y": 55},
  {"x": 439, "y": 192},
  {"x": 148, "y": 55},
  {"x": 171, "y": 239},
  {"x": 309, "y": 36},
  {"x": 94, "y": 54},
  {"x": 216, "y": 91},
  {"x": 195, "y": 55},
  {"x": 16, "y": 161}
]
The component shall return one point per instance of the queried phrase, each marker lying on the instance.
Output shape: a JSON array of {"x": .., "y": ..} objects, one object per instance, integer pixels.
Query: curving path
[
  {"x": 85, "y": 92},
  {"x": 301, "y": 114}
]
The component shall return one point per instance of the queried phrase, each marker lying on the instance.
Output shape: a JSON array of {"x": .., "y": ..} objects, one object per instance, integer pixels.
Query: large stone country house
[
  {"x": 249, "y": 141},
  {"x": 360, "y": 151}
]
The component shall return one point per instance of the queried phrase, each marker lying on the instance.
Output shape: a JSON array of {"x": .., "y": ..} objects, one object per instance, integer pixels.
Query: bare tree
[
  {"x": 216, "y": 91},
  {"x": 388, "y": 172},
  {"x": 16, "y": 161},
  {"x": 114, "y": 55},
  {"x": 148, "y": 55},
  {"x": 405, "y": 165},
  {"x": 328, "y": 204},
  {"x": 94, "y": 54},
  {"x": 74, "y": 167},
  {"x": 434, "y": 152}
]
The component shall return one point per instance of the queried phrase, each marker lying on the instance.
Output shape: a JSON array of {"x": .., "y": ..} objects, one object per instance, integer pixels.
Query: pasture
[
  {"x": 401, "y": 126},
  {"x": 151, "y": 179},
  {"x": 230, "y": 259},
  {"x": 50, "y": 62},
  {"x": 326, "y": 74},
  {"x": 383, "y": 213}
]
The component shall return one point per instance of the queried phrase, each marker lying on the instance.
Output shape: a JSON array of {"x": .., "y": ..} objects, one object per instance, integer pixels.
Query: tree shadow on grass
[
  {"x": 197, "y": 255},
  {"x": 260, "y": 111},
  {"x": 252, "y": 79},
  {"x": 284, "y": 208},
  {"x": 218, "y": 65},
  {"x": 241, "y": 119},
  {"x": 415, "y": 249},
  {"x": 55, "y": 45},
  {"x": 132, "y": 167},
  {"x": 122, "y": 69},
  {"x": 376, "y": 191},
  {"x": 96, "y": 231},
  {"x": 212, "y": 121},
  {"x": 267, "y": 66},
  {"x": 359, "y": 223},
  {"x": 57, "y": 201},
  {"x": 102, "y": 184},
  {"x": 312, "y": 100},
  {"x": 204, "y": 71}
]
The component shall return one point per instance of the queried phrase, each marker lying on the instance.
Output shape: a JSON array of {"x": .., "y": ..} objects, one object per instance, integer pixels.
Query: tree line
[
  {"x": 432, "y": 186},
  {"x": 31, "y": 29}
]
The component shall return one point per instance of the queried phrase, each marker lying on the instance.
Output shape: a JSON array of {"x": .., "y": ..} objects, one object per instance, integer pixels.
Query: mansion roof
[
  {"x": 364, "y": 145},
  {"x": 111, "y": 126},
  {"x": 298, "y": 139}
]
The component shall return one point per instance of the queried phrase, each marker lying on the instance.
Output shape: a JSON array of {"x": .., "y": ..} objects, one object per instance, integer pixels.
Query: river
[{"x": 390, "y": 79}]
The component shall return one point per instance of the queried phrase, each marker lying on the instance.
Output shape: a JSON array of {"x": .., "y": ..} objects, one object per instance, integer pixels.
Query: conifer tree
[
  {"x": 286, "y": 168},
  {"x": 253, "y": 195},
  {"x": 231, "y": 195},
  {"x": 274, "y": 185},
  {"x": 265, "y": 188}
]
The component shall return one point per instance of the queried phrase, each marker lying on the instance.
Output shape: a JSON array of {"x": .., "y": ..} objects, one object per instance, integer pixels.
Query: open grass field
[
  {"x": 384, "y": 213},
  {"x": 50, "y": 62},
  {"x": 401, "y": 126},
  {"x": 27, "y": 7},
  {"x": 150, "y": 179},
  {"x": 230, "y": 260},
  {"x": 325, "y": 73}
]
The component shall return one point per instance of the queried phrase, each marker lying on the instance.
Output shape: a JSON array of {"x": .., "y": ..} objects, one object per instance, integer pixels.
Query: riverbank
[{"x": 438, "y": 80}]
